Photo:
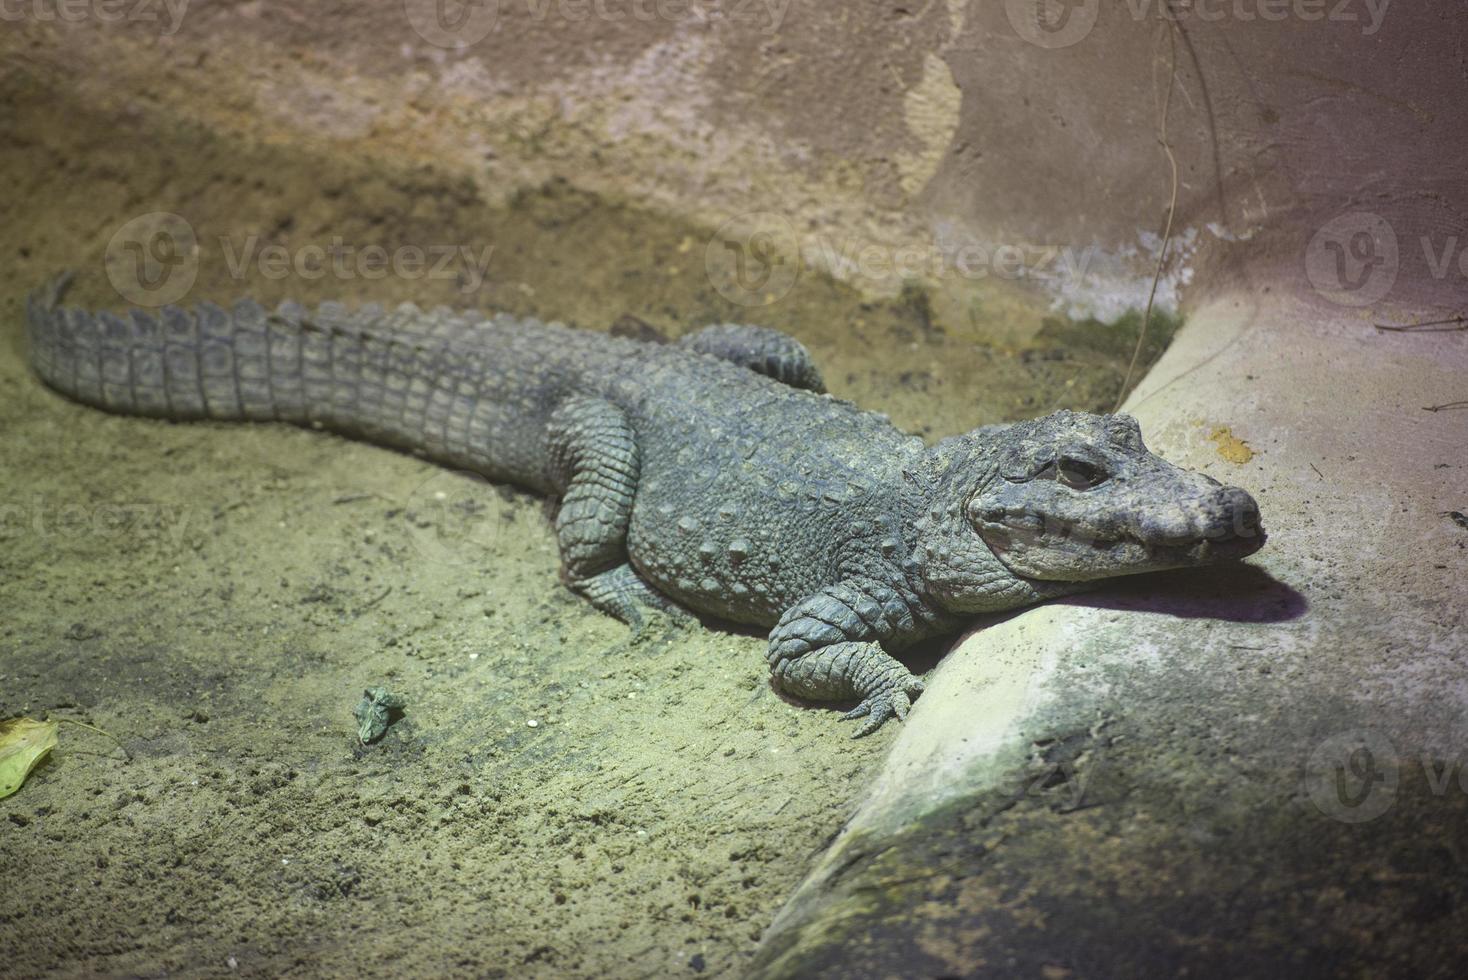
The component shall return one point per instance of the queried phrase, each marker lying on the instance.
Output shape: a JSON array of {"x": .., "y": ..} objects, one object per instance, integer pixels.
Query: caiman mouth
[
  {"x": 1227, "y": 546},
  {"x": 1206, "y": 551}
]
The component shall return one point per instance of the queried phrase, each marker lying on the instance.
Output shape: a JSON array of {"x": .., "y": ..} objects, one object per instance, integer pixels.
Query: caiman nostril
[{"x": 1244, "y": 513}]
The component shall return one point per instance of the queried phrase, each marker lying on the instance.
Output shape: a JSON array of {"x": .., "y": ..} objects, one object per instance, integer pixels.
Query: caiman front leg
[
  {"x": 828, "y": 647},
  {"x": 595, "y": 462}
]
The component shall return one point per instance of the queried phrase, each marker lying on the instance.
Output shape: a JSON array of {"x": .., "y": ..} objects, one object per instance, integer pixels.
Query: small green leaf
[
  {"x": 374, "y": 712},
  {"x": 23, "y": 742}
]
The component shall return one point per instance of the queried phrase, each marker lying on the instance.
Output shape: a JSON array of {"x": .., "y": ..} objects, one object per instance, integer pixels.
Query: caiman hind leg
[
  {"x": 595, "y": 463},
  {"x": 763, "y": 350}
]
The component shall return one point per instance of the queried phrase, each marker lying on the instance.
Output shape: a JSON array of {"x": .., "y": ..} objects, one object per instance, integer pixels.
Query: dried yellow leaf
[
  {"x": 1230, "y": 446},
  {"x": 23, "y": 742}
]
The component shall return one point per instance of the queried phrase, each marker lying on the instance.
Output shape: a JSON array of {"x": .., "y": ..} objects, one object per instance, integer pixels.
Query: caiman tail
[{"x": 433, "y": 381}]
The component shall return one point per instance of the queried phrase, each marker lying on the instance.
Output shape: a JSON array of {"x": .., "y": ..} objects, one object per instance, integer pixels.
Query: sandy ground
[{"x": 557, "y": 800}]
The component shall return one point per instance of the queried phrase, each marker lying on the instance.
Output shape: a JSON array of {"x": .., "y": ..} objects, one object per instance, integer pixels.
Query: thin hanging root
[
  {"x": 1171, "y": 210},
  {"x": 1445, "y": 325}
]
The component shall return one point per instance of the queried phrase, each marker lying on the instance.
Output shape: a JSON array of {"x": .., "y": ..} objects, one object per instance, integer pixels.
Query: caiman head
[{"x": 1072, "y": 497}]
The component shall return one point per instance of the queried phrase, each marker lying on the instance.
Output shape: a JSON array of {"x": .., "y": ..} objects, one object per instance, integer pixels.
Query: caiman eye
[{"x": 1079, "y": 474}]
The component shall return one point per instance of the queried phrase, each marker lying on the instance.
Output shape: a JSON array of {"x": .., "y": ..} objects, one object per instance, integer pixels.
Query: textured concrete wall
[{"x": 884, "y": 141}]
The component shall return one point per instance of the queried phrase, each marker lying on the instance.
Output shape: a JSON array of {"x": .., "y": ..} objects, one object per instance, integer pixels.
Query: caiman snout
[
  {"x": 1237, "y": 516},
  {"x": 1218, "y": 514}
]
